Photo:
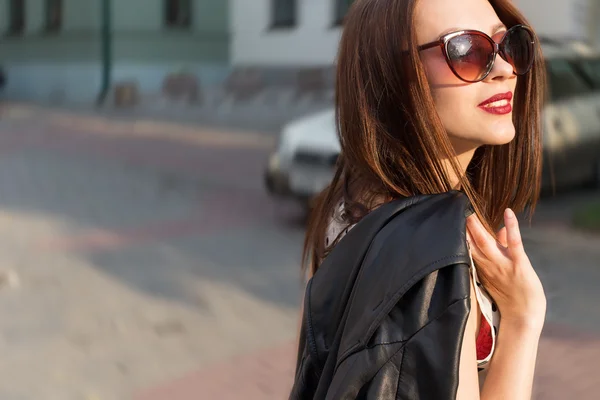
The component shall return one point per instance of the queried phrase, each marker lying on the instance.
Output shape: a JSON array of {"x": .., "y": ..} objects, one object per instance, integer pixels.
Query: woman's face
[{"x": 459, "y": 104}]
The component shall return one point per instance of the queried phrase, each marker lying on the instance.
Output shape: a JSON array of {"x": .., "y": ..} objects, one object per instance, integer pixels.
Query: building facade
[
  {"x": 306, "y": 32},
  {"x": 574, "y": 19},
  {"x": 52, "y": 49},
  {"x": 286, "y": 32}
]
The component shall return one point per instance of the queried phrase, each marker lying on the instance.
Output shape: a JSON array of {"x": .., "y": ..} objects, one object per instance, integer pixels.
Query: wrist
[{"x": 523, "y": 324}]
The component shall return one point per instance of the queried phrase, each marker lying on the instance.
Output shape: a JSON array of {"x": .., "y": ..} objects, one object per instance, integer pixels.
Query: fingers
[
  {"x": 509, "y": 237},
  {"x": 475, "y": 252},
  {"x": 502, "y": 237},
  {"x": 513, "y": 234},
  {"x": 482, "y": 242}
]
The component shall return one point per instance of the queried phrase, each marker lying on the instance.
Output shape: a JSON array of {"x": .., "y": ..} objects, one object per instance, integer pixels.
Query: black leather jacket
[{"x": 384, "y": 315}]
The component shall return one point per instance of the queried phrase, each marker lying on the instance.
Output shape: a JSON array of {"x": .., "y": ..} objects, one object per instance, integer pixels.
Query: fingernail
[{"x": 509, "y": 213}]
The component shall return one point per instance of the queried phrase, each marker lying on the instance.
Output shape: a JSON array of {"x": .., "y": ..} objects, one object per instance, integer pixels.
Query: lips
[{"x": 498, "y": 104}]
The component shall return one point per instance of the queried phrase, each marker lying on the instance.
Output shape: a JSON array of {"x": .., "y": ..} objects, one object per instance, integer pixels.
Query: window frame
[
  {"x": 340, "y": 9},
  {"x": 50, "y": 25},
  {"x": 284, "y": 23},
  {"x": 180, "y": 5},
  {"x": 16, "y": 28}
]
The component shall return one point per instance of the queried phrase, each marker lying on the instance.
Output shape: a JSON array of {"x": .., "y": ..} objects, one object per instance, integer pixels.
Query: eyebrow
[{"x": 495, "y": 29}]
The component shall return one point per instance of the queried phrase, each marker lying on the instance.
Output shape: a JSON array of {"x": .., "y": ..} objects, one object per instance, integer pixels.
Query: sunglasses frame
[{"x": 498, "y": 48}]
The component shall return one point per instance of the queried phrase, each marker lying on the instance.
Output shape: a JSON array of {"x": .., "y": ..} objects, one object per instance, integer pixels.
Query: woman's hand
[{"x": 507, "y": 274}]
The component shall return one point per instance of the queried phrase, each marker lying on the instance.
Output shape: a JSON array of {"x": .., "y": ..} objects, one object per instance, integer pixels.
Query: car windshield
[
  {"x": 566, "y": 80},
  {"x": 591, "y": 69}
]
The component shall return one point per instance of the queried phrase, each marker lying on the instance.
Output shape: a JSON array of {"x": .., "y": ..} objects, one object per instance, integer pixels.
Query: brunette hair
[{"x": 392, "y": 139}]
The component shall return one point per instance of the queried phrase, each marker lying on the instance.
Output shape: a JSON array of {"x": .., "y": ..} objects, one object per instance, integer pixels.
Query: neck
[{"x": 463, "y": 159}]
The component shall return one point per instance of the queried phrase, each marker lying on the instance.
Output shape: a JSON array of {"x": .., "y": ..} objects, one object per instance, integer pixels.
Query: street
[{"x": 144, "y": 259}]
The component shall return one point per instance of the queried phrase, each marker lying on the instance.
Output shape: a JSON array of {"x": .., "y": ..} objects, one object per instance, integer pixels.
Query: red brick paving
[
  {"x": 264, "y": 375},
  {"x": 568, "y": 365},
  {"x": 567, "y": 369}
]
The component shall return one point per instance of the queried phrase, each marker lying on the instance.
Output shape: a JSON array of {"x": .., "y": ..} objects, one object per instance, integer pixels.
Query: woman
[{"x": 438, "y": 105}]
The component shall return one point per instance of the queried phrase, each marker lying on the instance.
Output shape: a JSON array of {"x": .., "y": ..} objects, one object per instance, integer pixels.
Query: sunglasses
[{"x": 471, "y": 54}]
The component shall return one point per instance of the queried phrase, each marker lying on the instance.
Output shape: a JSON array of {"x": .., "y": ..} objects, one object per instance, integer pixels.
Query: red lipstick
[{"x": 498, "y": 104}]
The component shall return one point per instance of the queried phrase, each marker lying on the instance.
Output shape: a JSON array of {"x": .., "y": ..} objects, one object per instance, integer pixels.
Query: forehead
[{"x": 436, "y": 17}]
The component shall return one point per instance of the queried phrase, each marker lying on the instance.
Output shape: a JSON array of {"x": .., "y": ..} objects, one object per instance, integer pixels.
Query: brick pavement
[
  {"x": 566, "y": 361},
  {"x": 142, "y": 251},
  {"x": 568, "y": 365},
  {"x": 141, "y": 213},
  {"x": 264, "y": 375}
]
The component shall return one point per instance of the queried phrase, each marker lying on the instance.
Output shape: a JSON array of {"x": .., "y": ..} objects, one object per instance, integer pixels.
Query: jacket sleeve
[
  {"x": 430, "y": 359},
  {"x": 415, "y": 352},
  {"x": 307, "y": 374}
]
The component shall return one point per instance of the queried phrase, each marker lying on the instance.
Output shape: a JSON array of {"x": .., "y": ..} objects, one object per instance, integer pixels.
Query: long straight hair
[{"x": 393, "y": 142}]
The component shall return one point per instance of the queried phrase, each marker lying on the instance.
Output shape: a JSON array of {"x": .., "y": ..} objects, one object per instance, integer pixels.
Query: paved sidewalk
[
  {"x": 568, "y": 365},
  {"x": 133, "y": 251},
  {"x": 566, "y": 362},
  {"x": 144, "y": 259},
  {"x": 266, "y": 374}
]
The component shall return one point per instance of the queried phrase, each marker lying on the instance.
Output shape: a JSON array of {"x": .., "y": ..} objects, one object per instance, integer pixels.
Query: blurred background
[{"x": 157, "y": 160}]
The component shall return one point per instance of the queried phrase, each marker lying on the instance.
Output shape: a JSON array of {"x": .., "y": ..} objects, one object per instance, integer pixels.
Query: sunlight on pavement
[
  {"x": 142, "y": 128},
  {"x": 16, "y": 112}
]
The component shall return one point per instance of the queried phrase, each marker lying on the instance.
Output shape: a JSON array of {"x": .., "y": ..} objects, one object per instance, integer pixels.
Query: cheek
[
  {"x": 438, "y": 72},
  {"x": 450, "y": 103},
  {"x": 456, "y": 106}
]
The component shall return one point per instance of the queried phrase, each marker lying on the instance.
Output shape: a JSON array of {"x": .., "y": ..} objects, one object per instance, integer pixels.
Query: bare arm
[
  {"x": 468, "y": 378},
  {"x": 508, "y": 275},
  {"x": 513, "y": 364},
  {"x": 511, "y": 370}
]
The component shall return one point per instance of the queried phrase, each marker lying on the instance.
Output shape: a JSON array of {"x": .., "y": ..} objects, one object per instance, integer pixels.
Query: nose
[{"x": 501, "y": 70}]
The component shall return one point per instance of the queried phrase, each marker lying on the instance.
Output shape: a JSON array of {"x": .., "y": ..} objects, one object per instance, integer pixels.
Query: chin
[
  {"x": 484, "y": 134},
  {"x": 499, "y": 138},
  {"x": 498, "y": 133}
]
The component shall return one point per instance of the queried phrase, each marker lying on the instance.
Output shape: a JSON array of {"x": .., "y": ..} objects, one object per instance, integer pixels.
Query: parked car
[
  {"x": 303, "y": 162},
  {"x": 572, "y": 121},
  {"x": 304, "y": 159}
]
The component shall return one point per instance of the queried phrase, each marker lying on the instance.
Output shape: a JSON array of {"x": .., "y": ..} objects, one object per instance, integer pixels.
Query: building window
[
  {"x": 178, "y": 13},
  {"x": 283, "y": 13},
  {"x": 340, "y": 11},
  {"x": 54, "y": 9},
  {"x": 16, "y": 15}
]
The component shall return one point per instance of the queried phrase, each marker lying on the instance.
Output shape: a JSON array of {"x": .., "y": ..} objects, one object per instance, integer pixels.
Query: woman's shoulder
[{"x": 443, "y": 213}]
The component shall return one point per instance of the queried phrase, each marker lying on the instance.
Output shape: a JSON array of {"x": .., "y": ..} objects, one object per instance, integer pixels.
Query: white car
[{"x": 303, "y": 163}]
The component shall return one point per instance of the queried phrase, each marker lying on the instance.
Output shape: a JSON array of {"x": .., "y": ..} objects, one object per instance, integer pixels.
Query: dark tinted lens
[
  {"x": 518, "y": 49},
  {"x": 470, "y": 55}
]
